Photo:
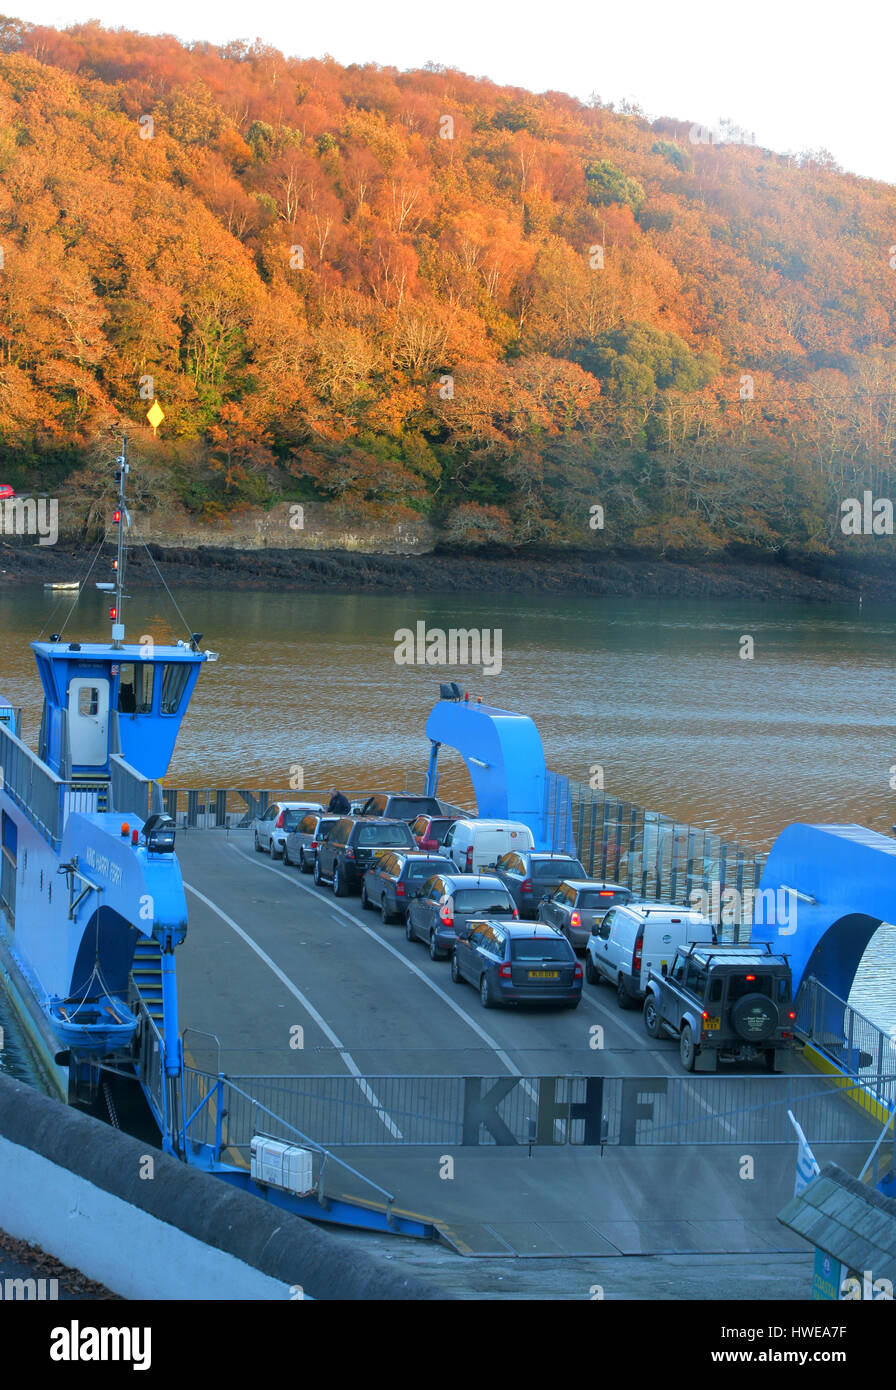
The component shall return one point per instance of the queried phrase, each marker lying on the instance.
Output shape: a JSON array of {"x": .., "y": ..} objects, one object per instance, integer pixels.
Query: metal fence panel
[{"x": 338, "y": 1111}]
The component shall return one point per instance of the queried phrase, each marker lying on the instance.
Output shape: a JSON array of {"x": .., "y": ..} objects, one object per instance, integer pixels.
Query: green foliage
[
  {"x": 673, "y": 153},
  {"x": 635, "y": 363},
  {"x": 608, "y": 184},
  {"x": 260, "y": 139}
]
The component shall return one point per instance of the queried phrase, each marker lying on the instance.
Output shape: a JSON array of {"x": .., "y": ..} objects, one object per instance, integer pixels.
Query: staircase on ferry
[{"x": 147, "y": 975}]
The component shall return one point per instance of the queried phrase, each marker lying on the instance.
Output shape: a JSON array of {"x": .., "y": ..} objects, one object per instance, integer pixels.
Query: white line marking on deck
[
  {"x": 306, "y": 1004},
  {"x": 452, "y": 1003}
]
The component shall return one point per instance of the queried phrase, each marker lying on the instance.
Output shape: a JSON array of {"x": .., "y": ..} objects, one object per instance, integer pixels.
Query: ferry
[{"x": 92, "y": 904}]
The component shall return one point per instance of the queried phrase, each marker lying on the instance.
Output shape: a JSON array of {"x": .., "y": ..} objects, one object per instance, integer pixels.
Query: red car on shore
[{"x": 6, "y": 491}]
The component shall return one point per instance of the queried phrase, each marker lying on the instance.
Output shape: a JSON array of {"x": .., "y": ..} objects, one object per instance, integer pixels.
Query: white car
[{"x": 278, "y": 821}]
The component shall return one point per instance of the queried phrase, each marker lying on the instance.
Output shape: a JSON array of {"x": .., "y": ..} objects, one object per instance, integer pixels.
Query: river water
[{"x": 655, "y": 691}]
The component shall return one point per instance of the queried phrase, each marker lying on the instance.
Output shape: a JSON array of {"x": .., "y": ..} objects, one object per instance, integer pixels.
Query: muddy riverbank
[{"x": 24, "y": 562}]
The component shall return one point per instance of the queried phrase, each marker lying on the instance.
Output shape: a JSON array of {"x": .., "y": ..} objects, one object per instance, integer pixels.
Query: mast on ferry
[{"x": 121, "y": 519}]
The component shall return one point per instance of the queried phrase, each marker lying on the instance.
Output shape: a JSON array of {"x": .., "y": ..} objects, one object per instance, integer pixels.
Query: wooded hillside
[{"x": 424, "y": 293}]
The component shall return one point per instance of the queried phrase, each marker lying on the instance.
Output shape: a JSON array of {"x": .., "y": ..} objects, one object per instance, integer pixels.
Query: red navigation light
[
  {"x": 116, "y": 515},
  {"x": 135, "y": 837},
  {"x": 467, "y": 696},
  {"x": 113, "y": 613},
  {"x": 791, "y": 1015}
]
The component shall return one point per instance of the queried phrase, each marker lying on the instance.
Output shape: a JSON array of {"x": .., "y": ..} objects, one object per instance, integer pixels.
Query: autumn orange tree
[{"x": 421, "y": 293}]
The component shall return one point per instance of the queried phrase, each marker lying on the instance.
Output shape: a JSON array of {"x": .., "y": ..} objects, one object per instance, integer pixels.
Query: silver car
[
  {"x": 273, "y": 826},
  {"x": 302, "y": 843},
  {"x": 577, "y": 906}
]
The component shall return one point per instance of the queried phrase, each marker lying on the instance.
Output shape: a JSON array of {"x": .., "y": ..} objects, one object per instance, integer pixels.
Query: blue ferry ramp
[{"x": 824, "y": 892}]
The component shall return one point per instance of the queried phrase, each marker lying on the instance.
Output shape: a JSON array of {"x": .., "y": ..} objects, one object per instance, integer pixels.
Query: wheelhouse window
[
  {"x": 135, "y": 687},
  {"x": 174, "y": 683}
]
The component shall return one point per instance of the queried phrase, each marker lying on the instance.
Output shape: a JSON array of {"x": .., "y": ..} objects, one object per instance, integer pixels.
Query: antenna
[{"x": 116, "y": 611}]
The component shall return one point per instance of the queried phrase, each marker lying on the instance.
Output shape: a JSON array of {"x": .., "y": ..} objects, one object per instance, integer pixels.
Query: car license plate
[
  {"x": 712, "y": 1025},
  {"x": 378, "y": 853},
  {"x": 544, "y": 974}
]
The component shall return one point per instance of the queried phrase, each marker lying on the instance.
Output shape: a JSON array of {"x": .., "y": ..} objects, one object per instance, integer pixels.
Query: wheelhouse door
[{"x": 88, "y": 721}]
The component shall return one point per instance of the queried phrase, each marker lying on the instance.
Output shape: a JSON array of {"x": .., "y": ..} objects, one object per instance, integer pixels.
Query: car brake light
[
  {"x": 445, "y": 915},
  {"x": 469, "y": 856},
  {"x": 577, "y": 973},
  {"x": 315, "y": 844},
  {"x": 791, "y": 1016},
  {"x": 349, "y": 852},
  {"x": 636, "y": 957},
  {"x": 704, "y": 1015},
  {"x": 575, "y": 920},
  {"x": 515, "y": 913},
  {"x": 399, "y": 890},
  {"x": 526, "y": 885},
  {"x": 605, "y": 893},
  {"x": 279, "y": 822},
  {"x": 505, "y": 971},
  {"x": 749, "y": 977}
]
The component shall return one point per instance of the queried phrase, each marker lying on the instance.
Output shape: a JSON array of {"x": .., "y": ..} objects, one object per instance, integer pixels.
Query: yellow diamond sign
[{"x": 155, "y": 415}]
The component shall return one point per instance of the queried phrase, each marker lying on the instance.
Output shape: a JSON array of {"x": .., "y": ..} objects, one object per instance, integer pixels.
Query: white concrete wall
[{"x": 133, "y": 1253}]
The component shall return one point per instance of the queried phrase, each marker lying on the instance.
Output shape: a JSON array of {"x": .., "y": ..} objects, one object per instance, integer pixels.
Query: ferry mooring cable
[{"x": 81, "y": 583}]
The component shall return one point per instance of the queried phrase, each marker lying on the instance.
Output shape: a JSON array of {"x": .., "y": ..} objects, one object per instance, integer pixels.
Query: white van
[
  {"x": 474, "y": 845},
  {"x": 637, "y": 937}
]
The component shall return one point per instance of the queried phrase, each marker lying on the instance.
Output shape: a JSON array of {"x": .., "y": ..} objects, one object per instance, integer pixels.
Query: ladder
[{"x": 147, "y": 975}]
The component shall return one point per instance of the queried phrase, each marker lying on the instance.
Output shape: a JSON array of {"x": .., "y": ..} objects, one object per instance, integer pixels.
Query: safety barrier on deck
[
  {"x": 845, "y": 1043},
  {"x": 474, "y": 1110},
  {"x": 658, "y": 858},
  {"x": 215, "y": 807}
]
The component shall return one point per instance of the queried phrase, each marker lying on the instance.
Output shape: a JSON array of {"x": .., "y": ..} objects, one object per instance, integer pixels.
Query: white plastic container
[{"x": 281, "y": 1165}]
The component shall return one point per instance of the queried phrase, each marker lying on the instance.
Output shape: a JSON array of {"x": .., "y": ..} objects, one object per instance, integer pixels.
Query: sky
[{"x": 797, "y": 74}]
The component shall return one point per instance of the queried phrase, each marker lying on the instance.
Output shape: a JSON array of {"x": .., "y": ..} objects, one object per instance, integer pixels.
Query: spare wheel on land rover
[{"x": 754, "y": 1018}]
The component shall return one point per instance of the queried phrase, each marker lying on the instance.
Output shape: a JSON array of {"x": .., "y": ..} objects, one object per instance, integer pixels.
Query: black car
[
  {"x": 448, "y": 901},
  {"x": 400, "y": 806},
  {"x": 516, "y": 962},
  {"x": 530, "y": 874},
  {"x": 396, "y": 878},
  {"x": 352, "y": 846}
]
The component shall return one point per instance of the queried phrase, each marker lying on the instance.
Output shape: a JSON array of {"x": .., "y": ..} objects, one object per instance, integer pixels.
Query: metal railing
[
  {"x": 208, "y": 807},
  {"x": 32, "y": 786},
  {"x": 345, "y": 1111},
  {"x": 219, "y": 1114},
  {"x": 131, "y": 791},
  {"x": 150, "y": 1050},
  {"x": 834, "y": 1027},
  {"x": 657, "y": 857}
]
